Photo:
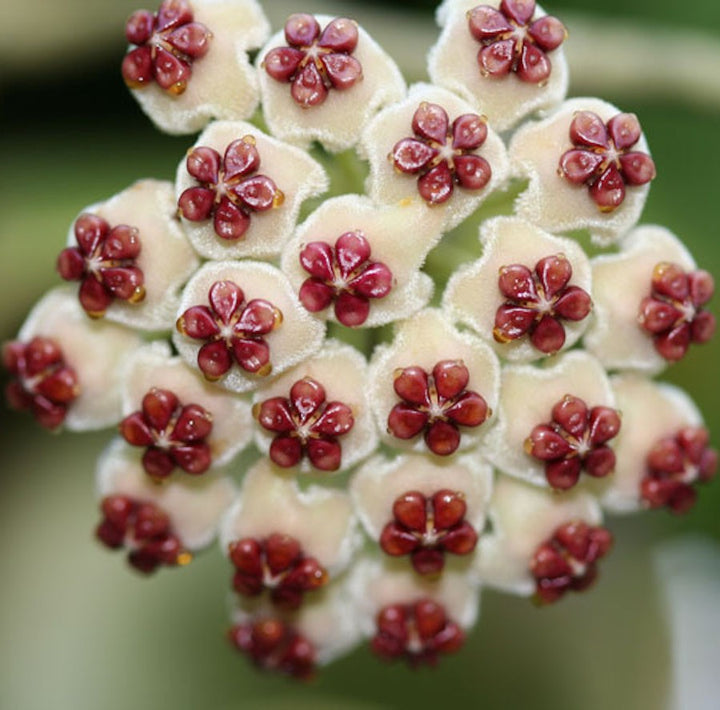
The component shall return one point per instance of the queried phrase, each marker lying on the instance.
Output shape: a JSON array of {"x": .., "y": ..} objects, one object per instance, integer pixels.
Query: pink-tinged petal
[
  {"x": 703, "y": 327},
  {"x": 624, "y": 130},
  {"x": 608, "y": 191},
  {"x": 173, "y": 13},
  {"x": 470, "y": 410},
  {"x": 351, "y": 310},
  {"x": 204, "y": 164},
  {"x": 637, "y": 168},
  {"x": 430, "y": 121},
  {"x": 376, "y": 281},
  {"x": 286, "y": 451},
  {"x": 549, "y": 335},
  {"x": 579, "y": 165},
  {"x": 519, "y": 11},
  {"x": 575, "y": 304},
  {"x": 337, "y": 419},
  {"x": 533, "y": 66},
  {"x": 301, "y": 29},
  {"x": 196, "y": 203},
  {"x": 411, "y": 385},
  {"x": 198, "y": 323},
  {"x": 512, "y": 322},
  {"x": 225, "y": 299},
  {"x": 193, "y": 424},
  {"x": 315, "y": 295},
  {"x": 241, "y": 158},
  {"x": 351, "y": 250},
  {"x": 497, "y": 58},
  {"x": 139, "y": 27},
  {"x": 604, "y": 425},
  {"x": 274, "y": 415},
  {"x": 547, "y": 32},
  {"x": 442, "y": 438},
  {"x": 281, "y": 63},
  {"x": 571, "y": 413},
  {"x": 473, "y": 172},
  {"x": 137, "y": 67},
  {"x": 230, "y": 221},
  {"x": 554, "y": 274},
  {"x": 194, "y": 459},
  {"x": 546, "y": 444},
  {"x": 516, "y": 282},
  {"x": 192, "y": 39},
  {"x": 342, "y": 70},
  {"x": 340, "y": 35},
  {"x": 405, "y": 422},
  {"x": 317, "y": 259},
  {"x": 436, "y": 186},
  {"x": 252, "y": 355},
  {"x": 588, "y": 129},
  {"x": 324, "y": 454},
  {"x": 410, "y": 155},
  {"x": 90, "y": 230},
  {"x": 702, "y": 287},
  {"x": 486, "y": 23},
  {"x": 563, "y": 474},
  {"x": 71, "y": 264},
  {"x": 451, "y": 378},
  {"x": 171, "y": 73},
  {"x": 469, "y": 132},
  {"x": 93, "y": 297},
  {"x": 124, "y": 282},
  {"x": 308, "y": 88},
  {"x": 258, "y": 193},
  {"x": 259, "y": 317},
  {"x": 214, "y": 360}
]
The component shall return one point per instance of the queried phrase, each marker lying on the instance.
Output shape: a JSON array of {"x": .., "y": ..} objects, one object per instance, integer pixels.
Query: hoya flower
[
  {"x": 503, "y": 57},
  {"x": 434, "y": 147},
  {"x": 529, "y": 294},
  {"x": 589, "y": 168},
  {"x": 130, "y": 256},
  {"x": 187, "y": 62},
  {"x": 654, "y": 320},
  {"x": 322, "y": 79}
]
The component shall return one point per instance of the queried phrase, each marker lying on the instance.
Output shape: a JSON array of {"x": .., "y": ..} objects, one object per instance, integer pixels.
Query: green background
[{"x": 78, "y": 631}]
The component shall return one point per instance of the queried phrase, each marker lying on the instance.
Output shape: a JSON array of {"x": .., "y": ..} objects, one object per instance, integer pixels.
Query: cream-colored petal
[
  {"x": 320, "y": 519},
  {"x": 153, "y": 366},
  {"x": 166, "y": 257},
  {"x": 296, "y": 338},
  {"x": 523, "y": 517},
  {"x": 292, "y": 170},
  {"x": 527, "y": 396},
  {"x": 400, "y": 236},
  {"x": 377, "y": 485},
  {"x": 223, "y": 83},
  {"x": 342, "y": 371},
  {"x": 424, "y": 340},
  {"x": 472, "y": 294},
  {"x": 551, "y": 201},
  {"x": 338, "y": 122},
  {"x": 651, "y": 411},
  {"x": 452, "y": 64},
  {"x": 97, "y": 351},
  {"x": 388, "y": 186},
  {"x": 620, "y": 282},
  {"x": 194, "y": 505}
]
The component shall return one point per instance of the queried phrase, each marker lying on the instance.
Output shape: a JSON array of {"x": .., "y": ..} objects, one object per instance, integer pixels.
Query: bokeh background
[{"x": 78, "y": 631}]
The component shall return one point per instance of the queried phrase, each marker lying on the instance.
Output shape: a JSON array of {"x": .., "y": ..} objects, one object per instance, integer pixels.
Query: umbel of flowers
[{"x": 391, "y": 474}]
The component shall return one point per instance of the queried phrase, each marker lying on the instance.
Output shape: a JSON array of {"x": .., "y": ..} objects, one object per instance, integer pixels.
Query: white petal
[
  {"x": 320, "y": 519},
  {"x": 620, "y": 282},
  {"x": 98, "y": 352},
  {"x": 296, "y": 338},
  {"x": 424, "y": 340},
  {"x": 472, "y": 294},
  {"x": 339, "y": 120},
  {"x": 292, "y": 170},
  {"x": 194, "y": 505},
  {"x": 223, "y": 83},
  {"x": 387, "y": 186},
  {"x": 527, "y": 396},
  {"x": 400, "y": 237},
  {"x": 342, "y": 371},
  {"x": 152, "y": 366},
  {"x": 650, "y": 411},
  {"x": 523, "y": 517},
  {"x": 452, "y": 64},
  {"x": 377, "y": 485},
  {"x": 551, "y": 201}
]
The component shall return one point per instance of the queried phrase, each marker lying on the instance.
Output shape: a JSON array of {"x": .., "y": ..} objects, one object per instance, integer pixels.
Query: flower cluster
[{"x": 388, "y": 475}]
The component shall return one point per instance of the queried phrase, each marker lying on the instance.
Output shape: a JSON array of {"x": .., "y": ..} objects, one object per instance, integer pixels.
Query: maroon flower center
[
  {"x": 442, "y": 154},
  {"x": 43, "y": 383},
  {"x": 278, "y": 564},
  {"x": 305, "y": 424},
  {"x": 512, "y": 42},
  {"x": 673, "y": 313},
  {"x": 104, "y": 263},
  {"x": 345, "y": 276},
  {"x": 173, "y": 434},
  {"x": 674, "y": 465},
  {"x": 575, "y": 441},
  {"x": 144, "y": 529},
  {"x": 567, "y": 561},
  {"x": 233, "y": 331},
  {"x": 437, "y": 404},
  {"x": 427, "y": 527},
  {"x": 315, "y": 61},
  {"x": 418, "y": 632},
  {"x": 229, "y": 189},
  {"x": 537, "y": 303},
  {"x": 602, "y": 159},
  {"x": 273, "y": 645},
  {"x": 168, "y": 43}
]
